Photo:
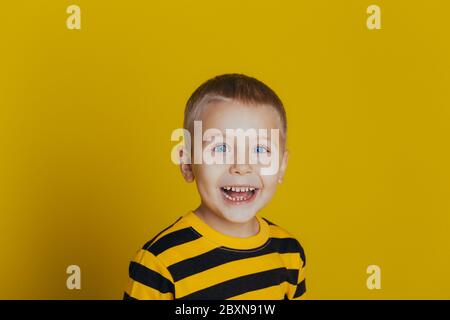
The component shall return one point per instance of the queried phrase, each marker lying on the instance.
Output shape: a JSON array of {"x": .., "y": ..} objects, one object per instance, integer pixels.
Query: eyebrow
[{"x": 264, "y": 137}]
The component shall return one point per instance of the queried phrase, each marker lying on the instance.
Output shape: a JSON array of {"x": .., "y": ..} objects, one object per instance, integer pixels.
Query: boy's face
[{"x": 236, "y": 190}]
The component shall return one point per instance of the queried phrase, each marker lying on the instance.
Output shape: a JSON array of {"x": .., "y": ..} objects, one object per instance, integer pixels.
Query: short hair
[{"x": 235, "y": 87}]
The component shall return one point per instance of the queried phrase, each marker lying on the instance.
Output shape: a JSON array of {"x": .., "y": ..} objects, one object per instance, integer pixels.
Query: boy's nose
[{"x": 241, "y": 169}]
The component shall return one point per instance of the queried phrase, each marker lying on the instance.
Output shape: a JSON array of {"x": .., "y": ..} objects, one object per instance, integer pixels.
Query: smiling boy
[{"x": 224, "y": 249}]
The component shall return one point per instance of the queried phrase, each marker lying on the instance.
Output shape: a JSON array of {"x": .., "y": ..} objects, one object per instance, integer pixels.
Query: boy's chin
[{"x": 238, "y": 215}]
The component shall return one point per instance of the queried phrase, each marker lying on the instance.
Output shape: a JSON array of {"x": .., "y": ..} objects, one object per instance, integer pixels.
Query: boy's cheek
[
  {"x": 207, "y": 173},
  {"x": 270, "y": 183}
]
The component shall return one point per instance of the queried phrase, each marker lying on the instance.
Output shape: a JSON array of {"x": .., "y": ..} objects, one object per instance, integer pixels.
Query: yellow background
[{"x": 86, "y": 117}]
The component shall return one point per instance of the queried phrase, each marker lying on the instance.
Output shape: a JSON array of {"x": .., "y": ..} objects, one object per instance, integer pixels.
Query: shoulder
[
  {"x": 175, "y": 234},
  {"x": 288, "y": 241},
  {"x": 279, "y": 231}
]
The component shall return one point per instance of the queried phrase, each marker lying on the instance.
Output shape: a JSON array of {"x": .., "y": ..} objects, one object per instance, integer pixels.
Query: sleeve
[
  {"x": 149, "y": 279},
  {"x": 300, "y": 288},
  {"x": 297, "y": 288}
]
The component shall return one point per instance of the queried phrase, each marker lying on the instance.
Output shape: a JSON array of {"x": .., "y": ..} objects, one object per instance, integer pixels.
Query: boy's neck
[{"x": 233, "y": 229}]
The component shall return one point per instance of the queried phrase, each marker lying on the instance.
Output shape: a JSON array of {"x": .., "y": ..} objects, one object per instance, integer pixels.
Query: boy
[{"x": 224, "y": 249}]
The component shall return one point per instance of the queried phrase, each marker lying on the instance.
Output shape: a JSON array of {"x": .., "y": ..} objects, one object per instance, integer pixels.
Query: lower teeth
[
  {"x": 238, "y": 198},
  {"x": 235, "y": 199}
]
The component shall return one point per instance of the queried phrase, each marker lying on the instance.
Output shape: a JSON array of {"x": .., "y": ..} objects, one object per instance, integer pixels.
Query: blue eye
[
  {"x": 261, "y": 149},
  {"x": 220, "y": 148}
]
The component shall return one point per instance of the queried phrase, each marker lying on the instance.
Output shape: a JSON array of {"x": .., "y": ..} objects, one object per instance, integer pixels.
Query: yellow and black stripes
[
  {"x": 171, "y": 240},
  {"x": 240, "y": 285},
  {"x": 222, "y": 255},
  {"x": 180, "y": 263},
  {"x": 150, "y": 278}
]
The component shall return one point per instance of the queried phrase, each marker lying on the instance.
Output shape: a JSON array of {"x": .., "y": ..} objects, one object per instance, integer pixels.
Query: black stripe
[
  {"x": 302, "y": 253},
  {"x": 220, "y": 255},
  {"x": 240, "y": 285},
  {"x": 301, "y": 289},
  {"x": 150, "y": 242},
  {"x": 126, "y": 296},
  {"x": 292, "y": 276},
  {"x": 150, "y": 278},
  {"x": 173, "y": 239}
]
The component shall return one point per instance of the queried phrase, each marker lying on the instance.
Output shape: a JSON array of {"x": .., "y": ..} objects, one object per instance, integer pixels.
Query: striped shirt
[{"x": 191, "y": 260}]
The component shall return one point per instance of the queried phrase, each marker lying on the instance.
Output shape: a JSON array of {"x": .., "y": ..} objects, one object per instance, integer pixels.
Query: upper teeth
[{"x": 239, "y": 189}]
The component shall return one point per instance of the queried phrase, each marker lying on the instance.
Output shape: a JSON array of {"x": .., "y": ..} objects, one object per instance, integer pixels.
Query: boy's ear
[
  {"x": 283, "y": 166},
  {"x": 186, "y": 168}
]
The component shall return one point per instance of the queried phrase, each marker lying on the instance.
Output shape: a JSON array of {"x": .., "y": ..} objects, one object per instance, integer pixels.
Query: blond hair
[{"x": 234, "y": 87}]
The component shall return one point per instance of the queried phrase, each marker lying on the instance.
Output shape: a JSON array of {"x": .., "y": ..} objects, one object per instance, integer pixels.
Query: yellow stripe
[
  {"x": 278, "y": 232},
  {"x": 291, "y": 260},
  {"x": 142, "y": 292},
  {"x": 269, "y": 293},
  {"x": 226, "y": 272},
  {"x": 186, "y": 250}
]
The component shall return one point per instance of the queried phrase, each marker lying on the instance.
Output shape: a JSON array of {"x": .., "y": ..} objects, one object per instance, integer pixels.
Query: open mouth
[{"x": 239, "y": 194}]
